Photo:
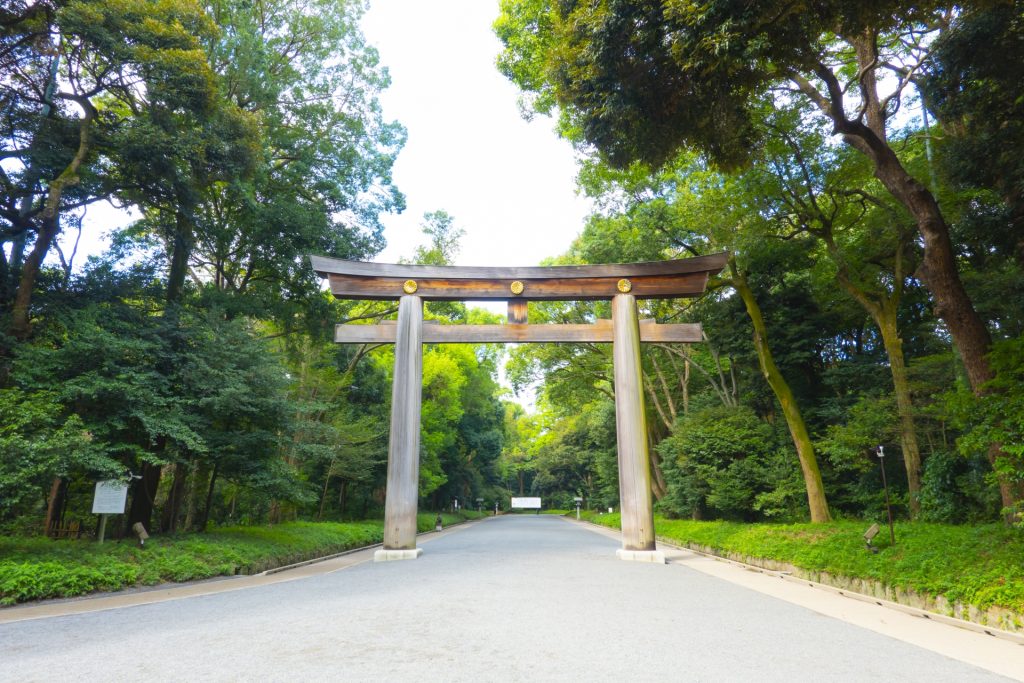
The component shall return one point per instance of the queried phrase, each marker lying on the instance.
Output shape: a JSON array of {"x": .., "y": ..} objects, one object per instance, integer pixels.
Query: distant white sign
[
  {"x": 110, "y": 497},
  {"x": 526, "y": 503}
]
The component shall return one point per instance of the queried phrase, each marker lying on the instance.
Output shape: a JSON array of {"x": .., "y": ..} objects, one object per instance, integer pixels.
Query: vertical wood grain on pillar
[
  {"x": 631, "y": 428},
  {"x": 404, "y": 444},
  {"x": 517, "y": 311}
]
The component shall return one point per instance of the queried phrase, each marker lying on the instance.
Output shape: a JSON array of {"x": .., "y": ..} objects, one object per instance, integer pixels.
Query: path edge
[{"x": 821, "y": 580}]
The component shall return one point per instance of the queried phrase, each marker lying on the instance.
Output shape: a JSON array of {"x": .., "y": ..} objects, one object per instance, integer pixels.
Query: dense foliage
[
  {"x": 193, "y": 359},
  {"x": 857, "y": 164}
]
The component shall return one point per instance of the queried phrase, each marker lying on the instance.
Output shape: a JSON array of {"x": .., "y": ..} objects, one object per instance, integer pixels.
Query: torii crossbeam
[{"x": 623, "y": 284}]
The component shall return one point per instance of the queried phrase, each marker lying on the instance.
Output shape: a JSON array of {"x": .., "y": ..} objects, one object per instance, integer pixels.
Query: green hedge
[
  {"x": 39, "y": 568},
  {"x": 978, "y": 565}
]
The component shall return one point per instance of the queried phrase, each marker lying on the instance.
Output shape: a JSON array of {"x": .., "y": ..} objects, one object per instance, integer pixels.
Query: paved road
[{"x": 518, "y": 598}]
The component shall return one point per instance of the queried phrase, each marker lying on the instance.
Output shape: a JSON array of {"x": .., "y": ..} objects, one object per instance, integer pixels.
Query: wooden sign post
[{"x": 623, "y": 284}]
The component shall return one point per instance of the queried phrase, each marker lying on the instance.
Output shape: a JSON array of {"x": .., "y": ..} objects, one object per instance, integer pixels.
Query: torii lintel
[
  {"x": 647, "y": 280},
  {"x": 518, "y": 286}
]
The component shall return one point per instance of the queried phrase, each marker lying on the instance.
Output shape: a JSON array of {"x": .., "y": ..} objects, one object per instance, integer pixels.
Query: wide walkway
[{"x": 516, "y": 598}]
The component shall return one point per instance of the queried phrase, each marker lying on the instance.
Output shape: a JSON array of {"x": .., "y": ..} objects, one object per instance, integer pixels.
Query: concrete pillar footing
[
  {"x": 655, "y": 556},
  {"x": 391, "y": 554}
]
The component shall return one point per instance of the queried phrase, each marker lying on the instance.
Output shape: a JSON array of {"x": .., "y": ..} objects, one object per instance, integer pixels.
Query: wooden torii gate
[{"x": 623, "y": 284}]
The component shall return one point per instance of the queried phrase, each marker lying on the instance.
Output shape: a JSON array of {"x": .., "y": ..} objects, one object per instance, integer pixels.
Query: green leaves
[{"x": 39, "y": 440}]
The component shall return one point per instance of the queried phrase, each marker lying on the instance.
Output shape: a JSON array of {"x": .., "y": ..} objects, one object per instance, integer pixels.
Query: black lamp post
[{"x": 885, "y": 485}]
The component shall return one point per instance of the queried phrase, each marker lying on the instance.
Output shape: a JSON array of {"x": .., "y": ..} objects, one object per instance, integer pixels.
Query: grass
[
  {"x": 40, "y": 568},
  {"x": 977, "y": 565}
]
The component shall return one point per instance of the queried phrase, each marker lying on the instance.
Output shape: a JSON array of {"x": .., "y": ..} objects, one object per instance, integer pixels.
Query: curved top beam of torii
[{"x": 649, "y": 280}]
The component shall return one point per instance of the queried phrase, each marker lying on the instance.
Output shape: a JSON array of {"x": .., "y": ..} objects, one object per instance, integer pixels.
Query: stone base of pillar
[
  {"x": 655, "y": 556},
  {"x": 390, "y": 554}
]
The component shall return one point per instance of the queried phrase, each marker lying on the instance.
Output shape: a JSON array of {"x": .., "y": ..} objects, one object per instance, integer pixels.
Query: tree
[
  {"x": 303, "y": 72},
  {"x": 694, "y": 209},
  {"x": 44, "y": 445},
  {"x": 975, "y": 88},
  {"x": 641, "y": 80},
  {"x": 79, "y": 72},
  {"x": 807, "y": 188}
]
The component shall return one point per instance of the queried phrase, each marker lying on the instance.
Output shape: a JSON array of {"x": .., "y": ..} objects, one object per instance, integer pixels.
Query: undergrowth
[
  {"x": 40, "y": 568},
  {"x": 978, "y": 565}
]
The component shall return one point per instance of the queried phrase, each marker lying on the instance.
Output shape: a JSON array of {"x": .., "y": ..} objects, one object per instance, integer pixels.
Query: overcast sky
[{"x": 508, "y": 183}]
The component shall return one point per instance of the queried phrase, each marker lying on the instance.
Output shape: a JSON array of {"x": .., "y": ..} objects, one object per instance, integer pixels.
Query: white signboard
[
  {"x": 526, "y": 503},
  {"x": 110, "y": 497}
]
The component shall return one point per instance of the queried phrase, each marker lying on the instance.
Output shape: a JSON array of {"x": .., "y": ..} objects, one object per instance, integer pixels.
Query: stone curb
[
  {"x": 794, "y": 575},
  {"x": 361, "y": 548}
]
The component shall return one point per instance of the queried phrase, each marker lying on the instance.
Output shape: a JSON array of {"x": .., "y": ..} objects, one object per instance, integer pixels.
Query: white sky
[{"x": 508, "y": 183}]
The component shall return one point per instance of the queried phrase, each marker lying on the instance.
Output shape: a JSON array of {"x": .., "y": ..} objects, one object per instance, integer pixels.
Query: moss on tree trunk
[{"x": 816, "y": 501}]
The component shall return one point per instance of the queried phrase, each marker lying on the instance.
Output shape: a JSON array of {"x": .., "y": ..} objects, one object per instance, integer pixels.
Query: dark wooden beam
[
  {"x": 404, "y": 271},
  {"x": 549, "y": 289},
  {"x": 649, "y": 280},
  {"x": 599, "y": 332}
]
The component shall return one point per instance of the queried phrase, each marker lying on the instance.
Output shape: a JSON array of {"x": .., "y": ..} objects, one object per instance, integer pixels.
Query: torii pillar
[
  {"x": 400, "y": 504},
  {"x": 635, "y": 505},
  {"x": 623, "y": 284}
]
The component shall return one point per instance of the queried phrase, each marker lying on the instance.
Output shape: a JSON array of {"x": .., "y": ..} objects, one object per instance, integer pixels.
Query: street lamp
[{"x": 885, "y": 485}]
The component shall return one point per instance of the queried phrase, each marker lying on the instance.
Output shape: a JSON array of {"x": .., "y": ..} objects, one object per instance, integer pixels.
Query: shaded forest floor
[
  {"x": 41, "y": 568},
  {"x": 981, "y": 566}
]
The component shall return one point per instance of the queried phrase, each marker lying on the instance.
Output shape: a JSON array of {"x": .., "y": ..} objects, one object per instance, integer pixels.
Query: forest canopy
[{"x": 858, "y": 163}]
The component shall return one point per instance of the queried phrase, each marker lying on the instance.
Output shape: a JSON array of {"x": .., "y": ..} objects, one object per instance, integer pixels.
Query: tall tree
[
  {"x": 806, "y": 187},
  {"x": 640, "y": 80},
  {"x": 303, "y": 70},
  {"x": 79, "y": 71}
]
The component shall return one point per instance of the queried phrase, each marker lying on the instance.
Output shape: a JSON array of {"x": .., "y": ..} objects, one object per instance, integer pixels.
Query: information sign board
[
  {"x": 526, "y": 503},
  {"x": 110, "y": 497}
]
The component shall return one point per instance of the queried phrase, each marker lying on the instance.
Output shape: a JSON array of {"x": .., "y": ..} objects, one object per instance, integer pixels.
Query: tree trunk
[
  {"x": 50, "y": 224},
  {"x": 939, "y": 273},
  {"x": 6, "y": 286},
  {"x": 209, "y": 498},
  {"x": 181, "y": 251},
  {"x": 816, "y": 501},
  {"x": 883, "y": 310},
  {"x": 904, "y": 406},
  {"x": 144, "y": 496},
  {"x": 323, "y": 495},
  {"x": 30, "y": 180},
  {"x": 658, "y": 486},
  {"x": 54, "y": 505},
  {"x": 172, "y": 509},
  {"x": 343, "y": 496},
  {"x": 938, "y": 269},
  {"x": 200, "y": 474},
  {"x": 20, "y": 316},
  {"x": 686, "y": 386}
]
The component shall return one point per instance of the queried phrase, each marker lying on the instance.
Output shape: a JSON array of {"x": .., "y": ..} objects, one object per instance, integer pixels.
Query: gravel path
[{"x": 516, "y": 598}]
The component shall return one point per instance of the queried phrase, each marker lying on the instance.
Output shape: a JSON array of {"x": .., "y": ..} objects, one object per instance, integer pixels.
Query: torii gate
[{"x": 414, "y": 284}]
